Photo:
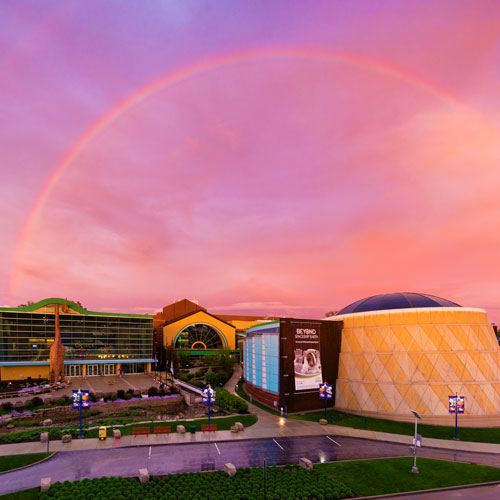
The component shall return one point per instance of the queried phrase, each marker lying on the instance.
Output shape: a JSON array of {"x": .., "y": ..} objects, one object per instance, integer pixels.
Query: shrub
[
  {"x": 198, "y": 373},
  {"x": 197, "y": 383},
  {"x": 37, "y": 401},
  {"x": 227, "y": 402},
  {"x": 33, "y": 403},
  {"x": 210, "y": 378},
  {"x": 190, "y": 376},
  {"x": 120, "y": 393},
  {"x": 114, "y": 397},
  {"x": 7, "y": 406},
  {"x": 183, "y": 377},
  {"x": 221, "y": 377},
  {"x": 152, "y": 391}
]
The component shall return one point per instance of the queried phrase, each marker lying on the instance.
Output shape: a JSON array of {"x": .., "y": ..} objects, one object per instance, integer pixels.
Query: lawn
[
  {"x": 31, "y": 494},
  {"x": 393, "y": 475},
  {"x": 15, "y": 461},
  {"x": 223, "y": 424},
  {"x": 480, "y": 435},
  {"x": 241, "y": 392}
]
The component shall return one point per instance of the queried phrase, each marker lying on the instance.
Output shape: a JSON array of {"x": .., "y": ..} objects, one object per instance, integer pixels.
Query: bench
[
  {"x": 140, "y": 430},
  {"x": 162, "y": 429},
  {"x": 206, "y": 427}
]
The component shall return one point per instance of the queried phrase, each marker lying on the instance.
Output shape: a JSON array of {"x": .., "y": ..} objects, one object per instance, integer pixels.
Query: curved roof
[
  {"x": 404, "y": 300},
  {"x": 73, "y": 305}
]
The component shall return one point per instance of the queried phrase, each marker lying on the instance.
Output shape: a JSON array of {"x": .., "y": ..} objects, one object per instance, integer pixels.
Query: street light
[{"x": 417, "y": 441}]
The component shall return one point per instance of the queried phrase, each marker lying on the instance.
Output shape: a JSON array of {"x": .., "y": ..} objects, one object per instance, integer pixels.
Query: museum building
[
  {"x": 385, "y": 355},
  {"x": 95, "y": 343},
  {"x": 191, "y": 328}
]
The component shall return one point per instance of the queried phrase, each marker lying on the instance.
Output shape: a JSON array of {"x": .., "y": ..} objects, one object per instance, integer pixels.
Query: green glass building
[{"x": 96, "y": 343}]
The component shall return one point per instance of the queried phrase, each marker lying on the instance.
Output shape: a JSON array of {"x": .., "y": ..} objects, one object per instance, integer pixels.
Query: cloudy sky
[{"x": 285, "y": 157}]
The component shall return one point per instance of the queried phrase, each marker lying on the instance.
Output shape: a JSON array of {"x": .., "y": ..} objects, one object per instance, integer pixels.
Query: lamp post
[
  {"x": 416, "y": 442},
  {"x": 80, "y": 400}
]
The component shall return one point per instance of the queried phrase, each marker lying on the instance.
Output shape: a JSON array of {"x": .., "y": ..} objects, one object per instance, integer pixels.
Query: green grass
[
  {"x": 393, "y": 475},
  {"x": 31, "y": 494},
  {"x": 480, "y": 435},
  {"x": 10, "y": 462},
  {"x": 241, "y": 392},
  {"x": 223, "y": 424}
]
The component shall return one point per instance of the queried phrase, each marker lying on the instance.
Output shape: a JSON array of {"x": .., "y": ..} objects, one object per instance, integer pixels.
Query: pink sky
[{"x": 284, "y": 183}]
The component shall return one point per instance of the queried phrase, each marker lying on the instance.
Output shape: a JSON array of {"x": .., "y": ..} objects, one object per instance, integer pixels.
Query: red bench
[
  {"x": 162, "y": 429},
  {"x": 206, "y": 427},
  {"x": 140, "y": 430}
]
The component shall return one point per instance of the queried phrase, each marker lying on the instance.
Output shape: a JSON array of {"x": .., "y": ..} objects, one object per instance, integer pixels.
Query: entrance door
[
  {"x": 109, "y": 369},
  {"x": 92, "y": 370},
  {"x": 73, "y": 370}
]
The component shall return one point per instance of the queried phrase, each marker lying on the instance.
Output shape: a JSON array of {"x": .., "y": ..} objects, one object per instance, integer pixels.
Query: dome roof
[{"x": 405, "y": 300}]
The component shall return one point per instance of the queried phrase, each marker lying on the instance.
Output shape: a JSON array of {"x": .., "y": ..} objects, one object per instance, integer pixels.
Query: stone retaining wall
[{"x": 168, "y": 405}]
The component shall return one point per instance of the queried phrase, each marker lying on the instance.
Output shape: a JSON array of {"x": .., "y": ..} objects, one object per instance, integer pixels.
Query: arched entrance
[{"x": 200, "y": 336}]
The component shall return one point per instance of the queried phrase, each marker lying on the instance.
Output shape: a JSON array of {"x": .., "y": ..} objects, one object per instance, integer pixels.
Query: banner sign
[
  {"x": 77, "y": 394},
  {"x": 208, "y": 395},
  {"x": 456, "y": 404},
  {"x": 307, "y": 359},
  {"x": 325, "y": 391}
]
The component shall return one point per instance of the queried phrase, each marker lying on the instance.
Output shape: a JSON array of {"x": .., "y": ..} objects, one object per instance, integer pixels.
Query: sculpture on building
[{"x": 57, "y": 351}]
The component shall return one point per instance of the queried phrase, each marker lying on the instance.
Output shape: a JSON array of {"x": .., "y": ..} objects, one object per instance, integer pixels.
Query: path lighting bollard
[{"x": 417, "y": 441}]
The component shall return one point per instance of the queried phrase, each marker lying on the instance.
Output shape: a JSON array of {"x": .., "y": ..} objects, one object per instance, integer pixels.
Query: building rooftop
[{"x": 402, "y": 300}]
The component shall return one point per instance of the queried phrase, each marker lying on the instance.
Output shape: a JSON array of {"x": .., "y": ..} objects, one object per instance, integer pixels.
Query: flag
[{"x": 172, "y": 367}]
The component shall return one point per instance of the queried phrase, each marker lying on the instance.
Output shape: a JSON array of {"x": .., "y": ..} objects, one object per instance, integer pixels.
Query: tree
[
  {"x": 330, "y": 313},
  {"x": 171, "y": 358}
]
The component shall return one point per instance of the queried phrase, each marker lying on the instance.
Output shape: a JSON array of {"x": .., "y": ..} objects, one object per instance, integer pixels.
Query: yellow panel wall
[
  {"x": 414, "y": 358},
  {"x": 23, "y": 372},
  {"x": 171, "y": 330}
]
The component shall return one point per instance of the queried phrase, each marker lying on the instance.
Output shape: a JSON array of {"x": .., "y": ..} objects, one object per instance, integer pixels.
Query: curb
[
  {"x": 433, "y": 490},
  {"x": 52, "y": 454}
]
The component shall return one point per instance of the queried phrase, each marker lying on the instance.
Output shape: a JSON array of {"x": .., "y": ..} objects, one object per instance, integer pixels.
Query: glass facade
[
  {"x": 199, "y": 336},
  {"x": 261, "y": 357},
  {"x": 27, "y": 336}
]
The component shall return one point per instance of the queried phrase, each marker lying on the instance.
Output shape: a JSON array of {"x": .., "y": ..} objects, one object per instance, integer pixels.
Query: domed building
[{"x": 410, "y": 351}]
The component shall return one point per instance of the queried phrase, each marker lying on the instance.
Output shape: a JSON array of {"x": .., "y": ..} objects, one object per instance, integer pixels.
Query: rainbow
[{"x": 191, "y": 71}]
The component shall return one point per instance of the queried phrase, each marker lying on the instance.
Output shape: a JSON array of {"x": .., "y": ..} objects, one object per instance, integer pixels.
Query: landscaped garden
[
  {"x": 283, "y": 483},
  {"x": 214, "y": 369},
  {"x": 481, "y": 435},
  {"x": 325, "y": 482},
  {"x": 223, "y": 423}
]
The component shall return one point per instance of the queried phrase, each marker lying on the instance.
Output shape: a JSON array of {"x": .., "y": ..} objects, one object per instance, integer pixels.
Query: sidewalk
[{"x": 268, "y": 426}]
